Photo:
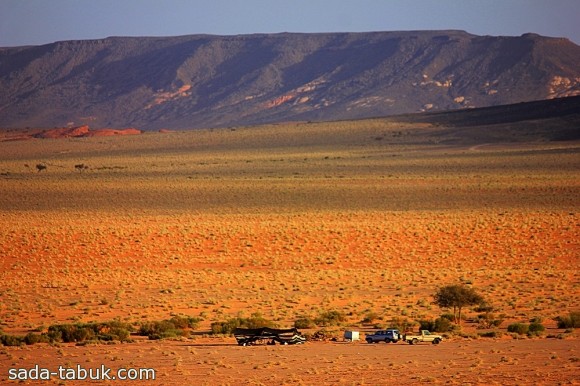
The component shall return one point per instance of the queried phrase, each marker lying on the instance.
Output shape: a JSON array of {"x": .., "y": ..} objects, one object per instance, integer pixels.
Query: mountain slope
[{"x": 201, "y": 80}]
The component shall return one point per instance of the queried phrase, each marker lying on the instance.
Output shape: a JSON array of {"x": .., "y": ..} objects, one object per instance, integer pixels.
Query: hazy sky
[{"x": 24, "y": 22}]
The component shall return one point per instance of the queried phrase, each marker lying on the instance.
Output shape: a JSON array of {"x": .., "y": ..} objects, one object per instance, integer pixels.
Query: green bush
[
  {"x": 536, "y": 328},
  {"x": 160, "y": 330},
  {"x": 518, "y": 328},
  {"x": 401, "y": 324},
  {"x": 32, "y": 338},
  {"x": 304, "y": 322},
  {"x": 81, "y": 332},
  {"x": 484, "y": 308},
  {"x": 71, "y": 332},
  {"x": 170, "y": 328},
  {"x": 184, "y": 322},
  {"x": 437, "y": 325},
  {"x": 113, "y": 330},
  {"x": 78, "y": 332},
  {"x": 370, "y": 317},
  {"x": 227, "y": 327},
  {"x": 442, "y": 325},
  {"x": 330, "y": 318},
  {"x": 448, "y": 316},
  {"x": 426, "y": 325},
  {"x": 258, "y": 321},
  {"x": 11, "y": 340},
  {"x": 488, "y": 320},
  {"x": 490, "y": 334},
  {"x": 572, "y": 320}
]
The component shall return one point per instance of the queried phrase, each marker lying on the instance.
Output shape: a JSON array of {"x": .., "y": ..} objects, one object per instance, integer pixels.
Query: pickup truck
[
  {"x": 387, "y": 336},
  {"x": 425, "y": 336}
]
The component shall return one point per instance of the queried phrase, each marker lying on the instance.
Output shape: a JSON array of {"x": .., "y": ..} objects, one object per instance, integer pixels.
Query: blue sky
[{"x": 33, "y": 22}]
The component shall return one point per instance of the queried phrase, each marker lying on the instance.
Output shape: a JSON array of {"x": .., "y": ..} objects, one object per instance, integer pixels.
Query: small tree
[{"x": 456, "y": 297}]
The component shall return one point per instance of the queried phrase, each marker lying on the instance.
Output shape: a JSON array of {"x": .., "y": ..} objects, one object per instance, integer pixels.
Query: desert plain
[{"x": 366, "y": 218}]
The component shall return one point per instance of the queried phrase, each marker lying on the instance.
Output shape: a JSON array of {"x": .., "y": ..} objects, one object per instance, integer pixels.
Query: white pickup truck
[{"x": 425, "y": 336}]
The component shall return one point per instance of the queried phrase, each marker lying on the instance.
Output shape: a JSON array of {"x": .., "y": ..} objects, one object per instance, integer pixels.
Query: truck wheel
[
  {"x": 415, "y": 341},
  {"x": 436, "y": 341},
  {"x": 387, "y": 341}
]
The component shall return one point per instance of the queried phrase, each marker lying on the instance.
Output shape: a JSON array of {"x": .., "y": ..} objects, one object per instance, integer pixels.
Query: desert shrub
[
  {"x": 323, "y": 335},
  {"x": 304, "y": 322},
  {"x": 426, "y": 325},
  {"x": 11, "y": 340},
  {"x": 370, "y": 317},
  {"x": 448, "y": 316},
  {"x": 257, "y": 321},
  {"x": 484, "y": 308},
  {"x": 442, "y": 325},
  {"x": 77, "y": 332},
  {"x": 401, "y": 324},
  {"x": 518, "y": 328},
  {"x": 170, "y": 328},
  {"x": 536, "y": 328},
  {"x": 81, "y": 332},
  {"x": 488, "y": 320},
  {"x": 32, "y": 338},
  {"x": 227, "y": 327},
  {"x": 159, "y": 329},
  {"x": 71, "y": 332},
  {"x": 572, "y": 320},
  {"x": 490, "y": 334},
  {"x": 113, "y": 330},
  {"x": 330, "y": 318},
  {"x": 184, "y": 322},
  {"x": 437, "y": 325}
]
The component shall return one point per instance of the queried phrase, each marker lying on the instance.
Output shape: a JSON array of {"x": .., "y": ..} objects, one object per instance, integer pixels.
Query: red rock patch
[{"x": 65, "y": 132}]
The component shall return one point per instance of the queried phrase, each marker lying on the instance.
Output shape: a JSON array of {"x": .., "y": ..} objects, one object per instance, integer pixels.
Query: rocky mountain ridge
[{"x": 217, "y": 81}]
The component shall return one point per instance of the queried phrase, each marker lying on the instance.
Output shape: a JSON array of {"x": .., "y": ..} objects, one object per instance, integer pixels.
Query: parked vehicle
[
  {"x": 387, "y": 336},
  {"x": 425, "y": 336}
]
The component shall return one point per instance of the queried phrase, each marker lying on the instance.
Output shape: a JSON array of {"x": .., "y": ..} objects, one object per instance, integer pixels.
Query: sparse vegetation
[
  {"x": 536, "y": 328},
  {"x": 490, "y": 334},
  {"x": 367, "y": 234},
  {"x": 81, "y": 332},
  {"x": 488, "y": 320},
  {"x": 330, "y": 318},
  {"x": 401, "y": 324},
  {"x": 11, "y": 340},
  {"x": 170, "y": 328},
  {"x": 519, "y": 328},
  {"x": 304, "y": 322},
  {"x": 227, "y": 327},
  {"x": 77, "y": 332}
]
